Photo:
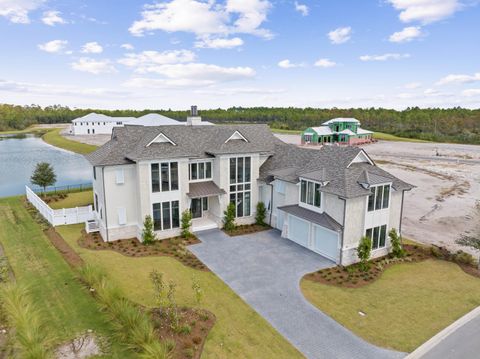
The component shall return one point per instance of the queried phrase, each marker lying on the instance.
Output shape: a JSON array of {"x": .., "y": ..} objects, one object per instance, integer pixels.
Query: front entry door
[{"x": 196, "y": 208}]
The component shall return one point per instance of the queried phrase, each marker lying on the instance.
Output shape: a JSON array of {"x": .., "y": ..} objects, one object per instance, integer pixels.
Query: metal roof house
[
  {"x": 324, "y": 200},
  {"x": 346, "y": 131}
]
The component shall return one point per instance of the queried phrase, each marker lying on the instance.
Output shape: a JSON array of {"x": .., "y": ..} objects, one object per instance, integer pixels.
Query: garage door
[
  {"x": 298, "y": 230},
  {"x": 325, "y": 242},
  {"x": 280, "y": 217}
]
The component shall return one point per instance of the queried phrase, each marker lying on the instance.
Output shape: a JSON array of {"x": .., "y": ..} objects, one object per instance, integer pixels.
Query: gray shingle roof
[{"x": 321, "y": 219}]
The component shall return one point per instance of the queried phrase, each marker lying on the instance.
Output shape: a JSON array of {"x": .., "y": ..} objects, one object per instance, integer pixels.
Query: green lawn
[
  {"x": 75, "y": 199},
  {"x": 405, "y": 307},
  {"x": 389, "y": 137},
  {"x": 67, "y": 306},
  {"x": 54, "y": 138},
  {"x": 239, "y": 331}
]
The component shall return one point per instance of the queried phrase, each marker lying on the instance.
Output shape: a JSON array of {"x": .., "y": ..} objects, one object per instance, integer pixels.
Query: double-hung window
[
  {"x": 379, "y": 197},
  {"x": 164, "y": 176},
  {"x": 166, "y": 215},
  {"x": 378, "y": 235},
  {"x": 310, "y": 193},
  {"x": 240, "y": 185}
]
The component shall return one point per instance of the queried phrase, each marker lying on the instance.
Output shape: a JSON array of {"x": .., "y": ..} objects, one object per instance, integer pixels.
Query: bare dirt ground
[
  {"x": 96, "y": 140},
  {"x": 446, "y": 201}
]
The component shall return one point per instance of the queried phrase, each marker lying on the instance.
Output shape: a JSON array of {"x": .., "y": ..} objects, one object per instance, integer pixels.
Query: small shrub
[
  {"x": 186, "y": 223},
  {"x": 184, "y": 329},
  {"x": 261, "y": 213},
  {"x": 189, "y": 352},
  {"x": 148, "y": 234},
  {"x": 463, "y": 258},
  {"x": 436, "y": 252},
  {"x": 363, "y": 252},
  {"x": 155, "y": 350},
  {"x": 396, "y": 241},
  {"x": 197, "y": 290},
  {"x": 229, "y": 217}
]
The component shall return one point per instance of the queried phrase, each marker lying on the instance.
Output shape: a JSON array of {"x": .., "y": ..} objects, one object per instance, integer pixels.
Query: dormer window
[
  {"x": 236, "y": 136},
  {"x": 310, "y": 193},
  {"x": 379, "y": 197}
]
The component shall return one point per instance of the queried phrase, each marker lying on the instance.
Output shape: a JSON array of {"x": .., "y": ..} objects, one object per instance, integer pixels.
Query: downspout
[
  {"x": 343, "y": 227},
  {"x": 105, "y": 201},
  {"x": 271, "y": 203},
  {"x": 401, "y": 215}
]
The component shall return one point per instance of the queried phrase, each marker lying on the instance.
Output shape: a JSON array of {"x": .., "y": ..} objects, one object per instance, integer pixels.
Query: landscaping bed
[
  {"x": 246, "y": 229},
  {"x": 173, "y": 247},
  {"x": 194, "y": 326},
  {"x": 353, "y": 276}
]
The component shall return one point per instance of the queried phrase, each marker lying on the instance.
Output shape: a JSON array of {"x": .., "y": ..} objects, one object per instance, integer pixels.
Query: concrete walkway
[{"x": 265, "y": 271}]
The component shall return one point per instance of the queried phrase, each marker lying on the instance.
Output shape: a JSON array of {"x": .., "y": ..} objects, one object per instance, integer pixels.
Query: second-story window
[
  {"x": 200, "y": 171},
  {"x": 240, "y": 185},
  {"x": 310, "y": 193},
  {"x": 379, "y": 197},
  {"x": 164, "y": 176}
]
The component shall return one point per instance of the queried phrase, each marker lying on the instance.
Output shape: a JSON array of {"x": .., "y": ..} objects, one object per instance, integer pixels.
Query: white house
[{"x": 325, "y": 199}]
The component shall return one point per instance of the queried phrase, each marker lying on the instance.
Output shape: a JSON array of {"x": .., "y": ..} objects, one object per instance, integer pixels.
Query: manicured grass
[
  {"x": 239, "y": 332},
  {"x": 405, "y": 307},
  {"x": 389, "y": 137},
  {"x": 288, "y": 132},
  {"x": 54, "y": 138},
  {"x": 67, "y": 307},
  {"x": 29, "y": 129},
  {"x": 75, "y": 199}
]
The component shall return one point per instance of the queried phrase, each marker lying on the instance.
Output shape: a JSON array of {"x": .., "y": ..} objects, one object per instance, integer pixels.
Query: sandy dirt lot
[
  {"x": 446, "y": 201},
  {"x": 96, "y": 140}
]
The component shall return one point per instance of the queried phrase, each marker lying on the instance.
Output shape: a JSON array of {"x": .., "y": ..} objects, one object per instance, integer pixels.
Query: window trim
[
  {"x": 374, "y": 191},
  {"x": 239, "y": 188},
  {"x": 303, "y": 198},
  {"x": 197, "y": 164},
  {"x": 382, "y": 231},
  {"x": 161, "y": 216},
  {"x": 170, "y": 187}
]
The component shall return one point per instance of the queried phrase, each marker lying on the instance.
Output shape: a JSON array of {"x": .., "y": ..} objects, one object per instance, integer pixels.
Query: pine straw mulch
[
  {"x": 173, "y": 247},
  {"x": 353, "y": 277},
  {"x": 194, "y": 326},
  {"x": 246, "y": 229}
]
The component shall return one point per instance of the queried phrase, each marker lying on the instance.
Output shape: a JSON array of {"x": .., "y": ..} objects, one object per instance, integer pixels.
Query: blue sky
[{"x": 221, "y": 53}]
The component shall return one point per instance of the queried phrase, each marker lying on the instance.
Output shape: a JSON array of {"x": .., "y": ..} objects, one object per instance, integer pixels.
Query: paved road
[{"x": 265, "y": 270}]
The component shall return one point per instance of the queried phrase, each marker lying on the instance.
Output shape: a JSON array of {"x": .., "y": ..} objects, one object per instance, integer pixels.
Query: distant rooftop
[{"x": 341, "y": 119}]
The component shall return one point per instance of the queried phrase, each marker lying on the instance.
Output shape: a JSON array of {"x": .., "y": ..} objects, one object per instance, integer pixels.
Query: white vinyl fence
[{"x": 59, "y": 217}]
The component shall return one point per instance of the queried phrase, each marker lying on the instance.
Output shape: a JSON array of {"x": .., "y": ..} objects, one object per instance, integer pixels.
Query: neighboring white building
[{"x": 325, "y": 199}]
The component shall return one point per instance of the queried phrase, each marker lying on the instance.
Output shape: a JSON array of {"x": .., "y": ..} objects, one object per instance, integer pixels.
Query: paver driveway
[{"x": 265, "y": 270}]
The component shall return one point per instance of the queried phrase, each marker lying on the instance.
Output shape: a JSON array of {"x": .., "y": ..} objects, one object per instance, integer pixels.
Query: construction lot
[{"x": 446, "y": 201}]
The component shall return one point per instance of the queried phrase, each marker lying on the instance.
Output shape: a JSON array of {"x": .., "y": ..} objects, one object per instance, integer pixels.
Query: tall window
[
  {"x": 166, "y": 174},
  {"x": 310, "y": 193},
  {"x": 379, "y": 197},
  {"x": 200, "y": 170},
  {"x": 240, "y": 185},
  {"x": 166, "y": 215},
  {"x": 378, "y": 235}
]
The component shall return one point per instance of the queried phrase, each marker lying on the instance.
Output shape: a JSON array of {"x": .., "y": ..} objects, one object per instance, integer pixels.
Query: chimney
[{"x": 193, "y": 119}]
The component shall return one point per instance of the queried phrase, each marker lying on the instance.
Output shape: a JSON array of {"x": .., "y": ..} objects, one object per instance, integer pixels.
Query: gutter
[
  {"x": 105, "y": 202},
  {"x": 401, "y": 216}
]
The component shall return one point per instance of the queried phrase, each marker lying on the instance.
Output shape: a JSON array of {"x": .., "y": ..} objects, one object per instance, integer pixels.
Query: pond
[{"x": 20, "y": 153}]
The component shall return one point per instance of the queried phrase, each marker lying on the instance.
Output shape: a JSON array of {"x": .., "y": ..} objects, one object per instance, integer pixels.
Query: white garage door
[
  {"x": 325, "y": 242},
  {"x": 298, "y": 230}
]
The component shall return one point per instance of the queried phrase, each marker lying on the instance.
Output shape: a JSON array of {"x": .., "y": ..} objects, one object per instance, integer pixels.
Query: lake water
[{"x": 19, "y": 154}]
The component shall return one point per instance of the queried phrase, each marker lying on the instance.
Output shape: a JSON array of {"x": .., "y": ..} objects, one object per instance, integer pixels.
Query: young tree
[
  {"x": 472, "y": 242},
  {"x": 261, "y": 213},
  {"x": 186, "y": 223},
  {"x": 159, "y": 289},
  {"x": 43, "y": 175},
  {"x": 229, "y": 217},
  {"x": 363, "y": 252},
  {"x": 197, "y": 290},
  {"x": 396, "y": 240},
  {"x": 148, "y": 234}
]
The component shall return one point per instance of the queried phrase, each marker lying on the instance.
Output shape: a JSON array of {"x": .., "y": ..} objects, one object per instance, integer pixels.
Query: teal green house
[{"x": 345, "y": 131}]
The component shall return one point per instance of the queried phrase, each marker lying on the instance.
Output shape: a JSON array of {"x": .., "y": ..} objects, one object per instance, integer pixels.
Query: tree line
[{"x": 443, "y": 125}]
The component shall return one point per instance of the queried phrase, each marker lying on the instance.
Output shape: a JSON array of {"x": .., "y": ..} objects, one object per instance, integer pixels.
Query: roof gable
[
  {"x": 236, "y": 136},
  {"x": 161, "y": 138},
  {"x": 362, "y": 157}
]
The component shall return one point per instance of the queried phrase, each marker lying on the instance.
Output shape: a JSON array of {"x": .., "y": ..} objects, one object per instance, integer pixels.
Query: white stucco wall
[
  {"x": 333, "y": 206},
  {"x": 83, "y": 128}
]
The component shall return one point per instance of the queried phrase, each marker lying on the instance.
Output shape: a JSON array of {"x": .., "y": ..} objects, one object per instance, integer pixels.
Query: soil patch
[
  {"x": 173, "y": 247},
  {"x": 190, "y": 336},
  {"x": 84, "y": 346},
  {"x": 246, "y": 229},
  {"x": 67, "y": 252},
  {"x": 353, "y": 277}
]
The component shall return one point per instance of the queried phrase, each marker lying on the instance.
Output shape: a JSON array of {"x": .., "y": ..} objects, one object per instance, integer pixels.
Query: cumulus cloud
[
  {"x": 17, "y": 11},
  {"x": 301, "y": 8},
  {"x": 204, "y": 18},
  {"x": 143, "y": 61},
  {"x": 340, "y": 35},
  {"x": 471, "y": 92},
  {"x": 219, "y": 43},
  {"x": 127, "y": 46},
  {"x": 93, "y": 66},
  {"x": 92, "y": 48},
  {"x": 425, "y": 11},
  {"x": 412, "y": 85},
  {"x": 407, "y": 34},
  {"x": 287, "y": 64},
  {"x": 51, "y": 18},
  {"x": 458, "y": 79},
  {"x": 54, "y": 46},
  {"x": 384, "y": 57},
  {"x": 325, "y": 63}
]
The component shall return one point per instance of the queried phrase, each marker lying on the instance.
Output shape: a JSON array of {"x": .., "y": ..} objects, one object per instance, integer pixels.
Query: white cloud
[
  {"x": 459, "y": 79},
  {"x": 384, "y": 57},
  {"x": 145, "y": 60},
  {"x": 406, "y": 35},
  {"x": 287, "y": 64},
  {"x": 425, "y": 11},
  {"x": 325, "y": 63},
  {"x": 340, "y": 35},
  {"x": 219, "y": 43},
  {"x": 412, "y": 85},
  {"x": 52, "y": 18},
  {"x": 54, "y": 46},
  {"x": 93, "y": 66},
  {"x": 204, "y": 18},
  {"x": 92, "y": 48},
  {"x": 471, "y": 92},
  {"x": 191, "y": 75},
  {"x": 17, "y": 11},
  {"x": 128, "y": 47},
  {"x": 301, "y": 8}
]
